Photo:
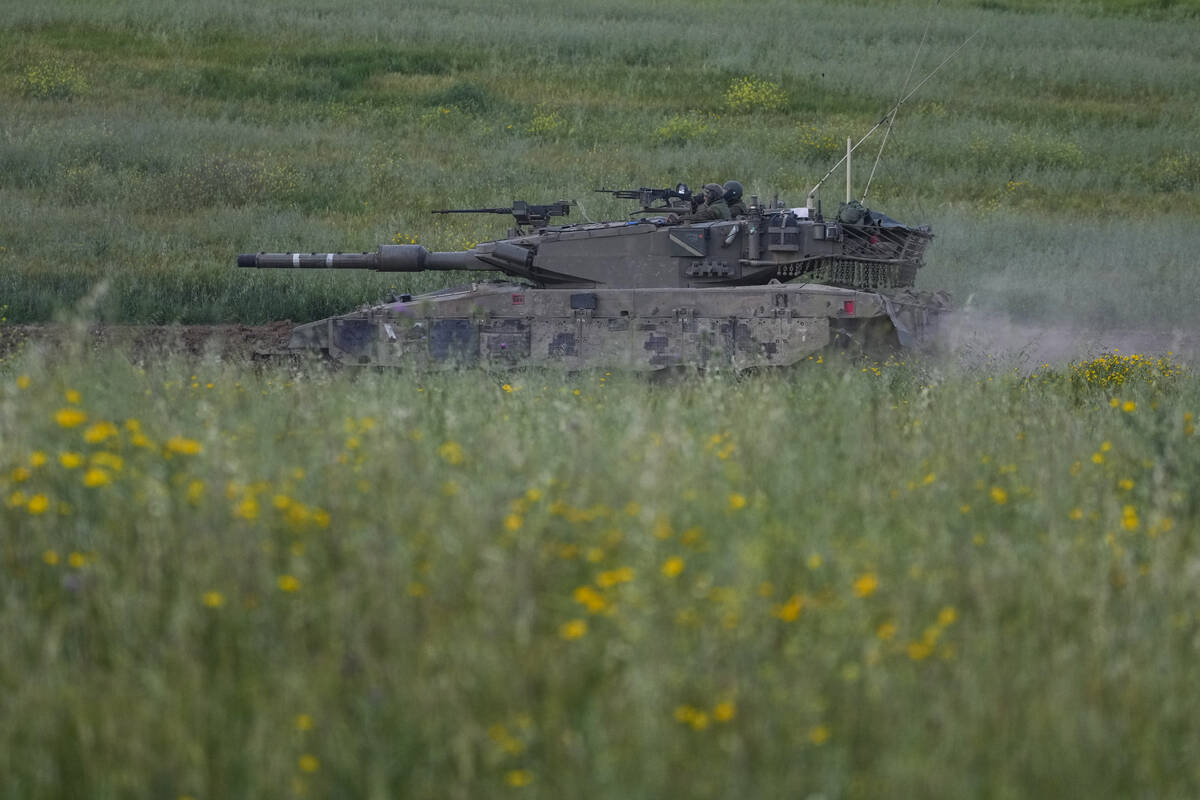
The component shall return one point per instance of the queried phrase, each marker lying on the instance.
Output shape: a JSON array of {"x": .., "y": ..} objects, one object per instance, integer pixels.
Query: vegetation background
[
  {"x": 852, "y": 580},
  {"x": 147, "y": 143}
]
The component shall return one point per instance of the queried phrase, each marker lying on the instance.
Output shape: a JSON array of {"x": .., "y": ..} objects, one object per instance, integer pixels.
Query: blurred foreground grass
[{"x": 852, "y": 580}]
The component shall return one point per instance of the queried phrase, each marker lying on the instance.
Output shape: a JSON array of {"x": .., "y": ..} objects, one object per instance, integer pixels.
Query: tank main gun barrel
[{"x": 502, "y": 256}]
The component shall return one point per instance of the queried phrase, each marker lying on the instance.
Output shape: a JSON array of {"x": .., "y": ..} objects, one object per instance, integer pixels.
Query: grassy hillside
[
  {"x": 145, "y": 144},
  {"x": 845, "y": 580}
]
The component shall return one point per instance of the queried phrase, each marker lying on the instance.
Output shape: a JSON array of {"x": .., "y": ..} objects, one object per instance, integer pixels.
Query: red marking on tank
[
  {"x": 518, "y": 299},
  {"x": 848, "y": 306}
]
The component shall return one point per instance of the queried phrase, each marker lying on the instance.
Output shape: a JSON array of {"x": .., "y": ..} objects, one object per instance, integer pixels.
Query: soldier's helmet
[
  {"x": 713, "y": 192},
  {"x": 733, "y": 192}
]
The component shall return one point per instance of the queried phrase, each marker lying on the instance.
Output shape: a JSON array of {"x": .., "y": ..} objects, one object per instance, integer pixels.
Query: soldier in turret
[
  {"x": 713, "y": 207},
  {"x": 733, "y": 198}
]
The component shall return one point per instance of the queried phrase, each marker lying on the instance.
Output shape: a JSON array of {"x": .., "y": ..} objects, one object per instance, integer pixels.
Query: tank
[{"x": 769, "y": 287}]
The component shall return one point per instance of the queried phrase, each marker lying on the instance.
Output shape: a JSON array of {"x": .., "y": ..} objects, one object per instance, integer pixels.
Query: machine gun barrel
[
  {"x": 472, "y": 211},
  {"x": 676, "y": 198},
  {"x": 525, "y": 214}
]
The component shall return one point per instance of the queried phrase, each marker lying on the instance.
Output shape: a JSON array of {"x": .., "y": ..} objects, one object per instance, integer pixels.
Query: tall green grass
[
  {"x": 145, "y": 144},
  {"x": 853, "y": 581}
]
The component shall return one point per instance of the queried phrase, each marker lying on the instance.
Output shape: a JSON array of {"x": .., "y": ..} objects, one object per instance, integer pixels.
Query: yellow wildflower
[
  {"x": 1076, "y": 514},
  {"x": 886, "y": 631},
  {"x": 819, "y": 735},
  {"x": 516, "y": 778},
  {"x": 247, "y": 509},
  {"x": 288, "y": 583},
  {"x": 108, "y": 460},
  {"x": 303, "y": 722},
  {"x": 77, "y": 560},
  {"x": 513, "y": 522},
  {"x": 183, "y": 446},
  {"x": 50, "y": 557},
  {"x": 69, "y": 417},
  {"x": 614, "y": 576},
  {"x": 70, "y": 460},
  {"x": 866, "y": 584},
  {"x": 672, "y": 567},
  {"x": 1129, "y": 518},
  {"x": 737, "y": 501},
  {"x": 919, "y": 651},
  {"x": 999, "y": 496},
  {"x": 308, "y": 763},
  {"x": 99, "y": 431},
  {"x": 574, "y": 629},
  {"x": 947, "y": 616},
  {"x": 22, "y": 381},
  {"x": 1125, "y": 483},
  {"x": 73, "y": 397},
  {"x": 96, "y": 477},
  {"x": 451, "y": 452},
  {"x": 790, "y": 610},
  {"x": 37, "y": 458},
  {"x": 38, "y": 504},
  {"x": 1129, "y": 406},
  {"x": 213, "y": 599},
  {"x": 724, "y": 711},
  {"x": 591, "y": 599}
]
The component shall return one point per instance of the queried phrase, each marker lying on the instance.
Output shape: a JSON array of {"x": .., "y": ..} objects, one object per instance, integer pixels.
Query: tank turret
[{"x": 860, "y": 249}]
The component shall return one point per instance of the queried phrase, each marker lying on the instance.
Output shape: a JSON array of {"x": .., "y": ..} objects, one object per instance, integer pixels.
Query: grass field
[
  {"x": 849, "y": 582},
  {"x": 929, "y": 578},
  {"x": 146, "y": 144}
]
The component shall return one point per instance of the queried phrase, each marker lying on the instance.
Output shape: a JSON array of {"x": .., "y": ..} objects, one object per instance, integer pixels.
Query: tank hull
[{"x": 507, "y": 325}]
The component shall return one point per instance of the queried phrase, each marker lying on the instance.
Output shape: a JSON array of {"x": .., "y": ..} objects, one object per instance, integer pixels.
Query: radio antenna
[
  {"x": 889, "y": 114},
  {"x": 896, "y": 110}
]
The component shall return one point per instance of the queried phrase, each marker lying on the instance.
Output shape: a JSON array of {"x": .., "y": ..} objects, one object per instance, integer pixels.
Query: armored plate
[{"x": 513, "y": 325}]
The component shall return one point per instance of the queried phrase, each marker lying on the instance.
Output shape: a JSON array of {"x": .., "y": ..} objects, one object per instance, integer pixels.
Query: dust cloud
[{"x": 978, "y": 336}]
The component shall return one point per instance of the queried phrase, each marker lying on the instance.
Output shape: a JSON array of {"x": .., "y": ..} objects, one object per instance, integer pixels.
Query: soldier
[
  {"x": 733, "y": 198},
  {"x": 713, "y": 207}
]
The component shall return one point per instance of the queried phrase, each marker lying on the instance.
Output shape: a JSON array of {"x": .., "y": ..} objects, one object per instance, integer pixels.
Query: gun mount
[
  {"x": 679, "y": 199},
  {"x": 525, "y": 214},
  {"x": 769, "y": 288}
]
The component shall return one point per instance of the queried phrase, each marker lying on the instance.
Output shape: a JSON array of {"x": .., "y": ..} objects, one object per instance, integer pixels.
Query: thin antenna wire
[
  {"x": 896, "y": 109},
  {"x": 901, "y": 102}
]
